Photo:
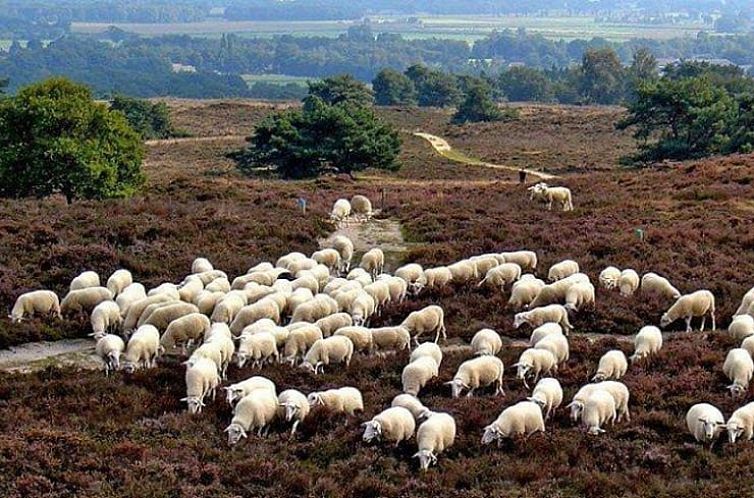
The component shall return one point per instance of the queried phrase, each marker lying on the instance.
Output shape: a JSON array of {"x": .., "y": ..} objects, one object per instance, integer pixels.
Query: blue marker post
[{"x": 302, "y": 204}]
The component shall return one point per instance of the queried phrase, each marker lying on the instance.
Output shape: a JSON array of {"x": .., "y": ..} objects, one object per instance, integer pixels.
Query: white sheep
[
  {"x": 226, "y": 309},
  {"x": 85, "y": 280},
  {"x": 255, "y": 411},
  {"x": 617, "y": 390},
  {"x": 190, "y": 289},
  {"x": 501, "y": 276},
  {"x": 237, "y": 391},
  {"x": 380, "y": 293},
  {"x": 395, "y": 338},
  {"x": 417, "y": 373},
  {"x": 200, "y": 265},
  {"x": 163, "y": 316},
  {"x": 478, "y": 372},
  {"x": 579, "y": 296},
  {"x": 548, "y": 394},
  {"x": 264, "y": 308},
  {"x": 395, "y": 424},
  {"x": 105, "y": 317},
  {"x": 654, "y": 284},
  {"x": 218, "y": 285},
  {"x": 554, "y": 313},
  {"x": 557, "y": 344},
  {"x": 434, "y": 435},
  {"x": 551, "y": 195},
  {"x": 202, "y": 379},
  {"x": 599, "y": 410},
  {"x": 536, "y": 362},
  {"x": 609, "y": 277},
  {"x": 412, "y": 404},
  {"x": 555, "y": 293},
  {"x": 612, "y": 365},
  {"x": 524, "y": 291},
  {"x": 463, "y": 271},
  {"x": 543, "y": 331},
  {"x": 110, "y": 347},
  {"x": 486, "y": 342},
  {"x": 166, "y": 288},
  {"x": 329, "y": 324},
  {"x": 185, "y": 330},
  {"x": 293, "y": 407},
  {"x": 137, "y": 308},
  {"x": 346, "y": 400},
  {"x": 628, "y": 282},
  {"x": 398, "y": 287},
  {"x": 563, "y": 269},
  {"x": 84, "y": 299},
  {"x": 428, "y": 319},
  {"x": 311, "y": 311},
  {"x": 119, "y": 280},
  {"x": 143, "y": 349},
  {"x": 129, "y": 296},
  {"x": 437, "y": 278},
  {"x": 705, "y": 422},
  {"x": 206, "y": 276},
  {"x": 361, "y": 205},
  {"x": 261, "y": 348},
  {"x": 362, "y": 308},
  {"x": 299, "y": 341},
  {"x": 341, "y": 210},
  {"x": 39, "y": 302},
  {"x": 748, "y": 345},
  {"x": 328, "y": 257},
  {"x": 344, "y": 246},
  {"x": 306, "y": 281},
  {"x": 647, "y": 342},
  {"x": 576, "y": 406},
  {"x": 746, "y": 302},
  {"x": 429, "y": 349},
  {"x": 523, "y": 418},
  {"x": 527, "y": 260},
  {"x": 741, "y": 327},
  {"x": 485, "y": 262},
  {"x": 698, "y": 303},
  {"x": 211, "y": 351},
  {"x": 739, "y": 368},
  {"x": 373, "y": 261},
  {"x": 740, "y": 425},
  {"x": 360, "y": 275},
  {"x": 413, "y": 275},
  {"x": 286, "y": 260},
  {"x": 327, "y": 351}
]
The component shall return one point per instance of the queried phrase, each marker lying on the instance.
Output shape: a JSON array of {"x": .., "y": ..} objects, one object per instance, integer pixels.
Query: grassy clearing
[{"x": 276, "y": 79}]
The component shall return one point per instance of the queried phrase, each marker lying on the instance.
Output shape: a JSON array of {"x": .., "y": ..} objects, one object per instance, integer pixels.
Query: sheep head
[
  {"x": 520, "y": 319},
  {"x": 665, "y": 320},
  {"x": 491, "y": 433},
  {"x": 737, "y": 389},
  {"x": 711, "y": 428},
  {"x": 735, "y": 430},
  {"x": 457, "y": 386},
  {"x": 195, "y": 404},
  {"x": 315, "y": 399},
  {"x": 576, "y": 408},
  {"x": 426, "y": 458},
  {"x": 291, "y": 410},
  {"x": 372, "y": 430},
  {"x": 233, "y": 394},
  {"x": 235, "y": 434}
]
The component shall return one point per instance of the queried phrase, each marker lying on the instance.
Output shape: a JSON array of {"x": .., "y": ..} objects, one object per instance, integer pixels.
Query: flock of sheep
[{"x": 313, "y": 313}]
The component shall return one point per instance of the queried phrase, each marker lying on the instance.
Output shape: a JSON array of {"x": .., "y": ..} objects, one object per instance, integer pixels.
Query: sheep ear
[
  {"x": 515, "y": 365},
  {"x": 572, "y": 403},
  {"x": 227, "y": 429},
  {"x": 449, "y": 383},
  {"x": 184, "y": 399},
  {"x": 416, "y": 455},
  {"x": 364, "y": 424}
]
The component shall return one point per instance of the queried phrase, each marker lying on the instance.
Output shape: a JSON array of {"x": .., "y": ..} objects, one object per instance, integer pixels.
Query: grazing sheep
[
  {"x": 200, "y": 265},
  {"x": 380, "y": 293},
  {"x": 535, "y": 361},
  {"x": 167, "y": 288},
  {"x": 620, "y": 394},
  {"x": 202, "y": 379},
  {"x": 206, "y": 277},
  {"x": 609, "y": 277},
  {"x": 413, "y": 275},
  {"x": 577, "y": 404},
  {"x": 218, "y": 285},
  {"x": 296, "y": 298},
  {"x": 311, "y": 311},
  {"x": 119, "y": 280},
  {"x": 164, "y": 316},
  {"x": 206, "y": 301},
  {"x": 697, "y": 303},
  {"x": 362, "y": 308},
  {"x": 524, "y": 291},
  {"x": 306, "y": 282},
  {"x": 437, "y": 278},
  {"x": 373, "y": 261},
  {"x": 485, "y": 262},
  {"x": 561, "y": 270},
  {"x": 705, "y": 422},
  {"x": 190, "y": 289},
  {"x": 599, "y": 410},
  {"x": 417, "y": 373},
  {"x": 741, "y": 327},
  {"x": 137, "y": 308},
  {"x": 395, "y": 424},
  {"x": 184, "y": 330},
  {"x": 543, "y": 331},
  {"x": 654, "y": 284},
  {"x": 109, "y": 347},
  {"x": 227, "y": 308},
  {"x": 344, "y": 246},
  {"x": 398, "y": 287},
  {"x": 548, "y": 394},
  {"x": 463, "y": 271},
  {"x": 741, "y": 424},
  {"x": 129, "y": 296},
  {"x": 647, "y": 342},
  {"x": 550, "y": 195},
  {"x": 746, "y": 302},
  {"x": 330, "y": 350},
  {"x": 527, "y": 260},
  {"x": 299, "y": 341},
  {"x": 329, "y": 324},
  {"x": 39, "y": 302},
  {"x": 361, "y": 337},
  {"x": 361, "y": 205},
  {"x": 501, "y": 276},
  {"x": 210, "y": 351},
  {"x": 412, "y": 404},
  {"x": 239, "y": 390},
  {"x": 255, "y": 411},
  {"x": 85, "y": 299},
  {"x": 748, "y": 345},
  {"x": 429, "y": 349},
  {"x": 105, "y": 317},
  {"x": 739, "y": 368},
  {"x": 265, "y": 308},
  {"x": 391, "y": 338},
  {"x": 554, "y": 313},
  {"x": 612, "y": 365},
  {"x": 288, "y": 259},
  {"x": 486, "y": 342},
  {"x": 523, "y": 418},
  {"x": 557, "y": 344},
  {"x": 328, "y": 257},
  {"x": 428, "y": 319},
  {"x": 555, "y": 293},
  {"x": 260, "y": 348},
  {"x": 628, "y": 282},
  {"x": 84, "y": 281},
  {"x": 143, "y": 349},
  {"x": 293, "y": 407},
  {"x": 579, "y": 295},
  {"x": 346, "y": 400},
  {"x": 478, "y": 372},
  {"x": 435, "y": 435},
  {"x": 341, "y": 210}
]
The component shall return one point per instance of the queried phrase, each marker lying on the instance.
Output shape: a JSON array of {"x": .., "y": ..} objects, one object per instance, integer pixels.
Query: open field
[{"x": 67, "y": 432}]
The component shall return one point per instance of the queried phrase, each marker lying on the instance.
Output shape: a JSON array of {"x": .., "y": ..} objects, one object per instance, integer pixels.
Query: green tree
[
  {"x": 602, "y": 76},
  {"x": 151, "y": 120},
  {"x": 477, "y": 106},
  {"x": 643, "y": 68},
  {"x": 54, "y": 138},
  {"x": 341, "y": 89},
  {"x": 525, "y": 84},
  {"x": 393, "y": 88},
  {"x": 434, "y": 88}
]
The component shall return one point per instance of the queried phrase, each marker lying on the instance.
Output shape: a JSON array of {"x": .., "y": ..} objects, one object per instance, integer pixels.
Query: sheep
[
  {"x": 416, "y": 374},
  {"x": 705, "y": 422},
  {"x": 543, "y": 331},
  {"x": 85, "y": 299},
  {"x": 557, "y": 344},
  {"x": 563, "y": 269},
  {"x": 306, "y": 282},
  {"x": 463, "y": 271},
  {"x": 412, "y": 404},
  {"x": 344, "y": 246},
  {"x": 523, "y": 418},
  {"x": 577, "y": 403},
  {"x": 184, "y": 330},
  {"x": 202, "y": 379},
  {"x": 239, "y": 390},
  {"x": 129, "y": 296},
  {"x": 599, "y": 410},
  {"x": 478, "y": 372},
  {"x": 190, "y": 289},
  {"x": 118, "y": 281},
  {"x": 628, "y": 282},
  {"x": 361, "y": 337},
  {"x": 485, "y": 262},
  {"x": 579, "y": 295},
  {"x": 85, "y": 280},
  {"x": 153, "y": 307},
  {"x": 143, "y": 349},
  {"x": 210, "y": 351},
  {"x": 109, "y": 347},
  {"x": 741, "y": 424},
  {"x": 395, "y": 424},
  {"x": 207, "y": 300},
  {"x": 434, "y": 435},
  {"x": 527, "y": 260},
  {"x": 39, "y": 302},
  {"x": 739, "y": 368},
  {"x": 620, "y": 394},
  {"x": 523, "y": 292},
  {"x": 741, "y": 327},
  {"x": 486, "y": 342},
  {"x": 167, "y": 289},
  {"x": 609, "y": 277},
  {"x": 360, "y": 276},
  {"x": 326, "y": 351},
  {"x": 328, "y": 257},
  {"x": 556, "y": 292},
  {"x": 654, "y": 284},
  {"x": 373, "y": 261},
  {"x": 697, "y": 303},
  {"x": 255, "y": 411},
  {"x": 361, "y": 205},
  {"x": 536, "y": 361},
  {"x": 164, "y": 316},
  {"x": 746, "y": 302},
  {"x": 612, "y": 365},
  {"x": 748, "y": 345},
  {"x": 380, "y": 293},
  {"x": 437, "y": 278},
  {"x": 548, "y": 394},
  {"x": 559, "y": 195},
  {"x": 397, "y": 286},
  {"x": 105, "y": 317},
  {"x": 346, "y": 400},
  {"x": 293, "y": 407},
  {"x": 413, "y": 275},
  {"x": 329, "y": 324},
  {"x": 260, "y": 348},
  {"x": 137, "y": 308},
  {"x": 647, "y": 342},
  {"x": 362, "y": 308},
  {"x": 250, "y": 313},
  {"x": 200, "y": 265},
  {"x": 429, "y": 349},
  {"x": 502, "y": 275},
  {"x": 391, "y": 338},
  {"x": 311, "y": 311},
  {"x": 296, "y": 298},
  {"x": 428, "y": 319},
  {"x": 218, "y": 285},
  {"x": 223, "y": 340},
  {"x": 299, "y": 341},
  {"x": 341, "y": 210},
  {"x": 285, "y": 261},
  {"x": 554, "y": 313}
]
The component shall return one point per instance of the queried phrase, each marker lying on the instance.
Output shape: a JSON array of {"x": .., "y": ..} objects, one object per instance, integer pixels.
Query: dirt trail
[
  {"x": 444, "y": 149},
  {"x": 35, "y": 356}
]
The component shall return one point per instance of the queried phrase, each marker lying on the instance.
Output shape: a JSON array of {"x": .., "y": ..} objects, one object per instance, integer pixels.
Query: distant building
[{"x": 182, "y": 68}]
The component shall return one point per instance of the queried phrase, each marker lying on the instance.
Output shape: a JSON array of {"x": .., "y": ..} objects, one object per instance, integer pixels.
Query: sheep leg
[
  {"x": 688, "y": 324},
  {"x": 293, "y": 429},
  {"x": 470, "y": 393},
  {"x": 714, "y": 325}
]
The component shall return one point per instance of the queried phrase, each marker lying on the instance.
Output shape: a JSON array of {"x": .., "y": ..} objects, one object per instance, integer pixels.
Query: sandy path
[{"x": 40, "y": 355}]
